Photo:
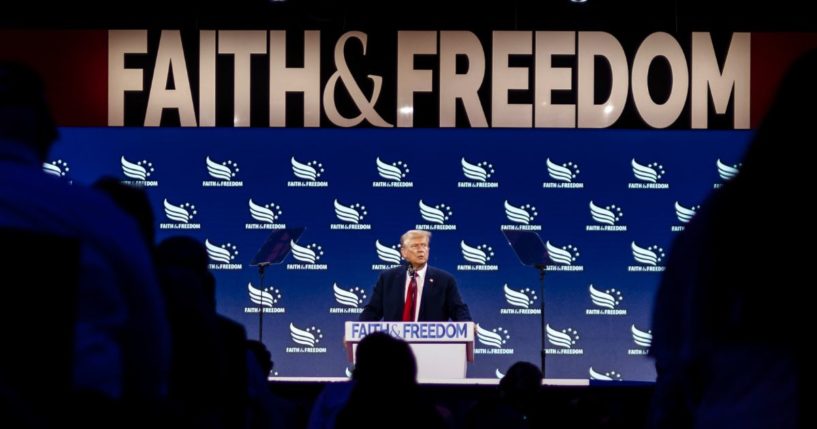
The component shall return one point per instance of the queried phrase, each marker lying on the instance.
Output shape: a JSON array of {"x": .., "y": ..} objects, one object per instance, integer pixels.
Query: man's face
[{"x": 415, "y": 250}]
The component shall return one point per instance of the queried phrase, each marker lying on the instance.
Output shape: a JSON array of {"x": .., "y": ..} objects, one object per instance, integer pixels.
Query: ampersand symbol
[{"x": 364, "y": 105}]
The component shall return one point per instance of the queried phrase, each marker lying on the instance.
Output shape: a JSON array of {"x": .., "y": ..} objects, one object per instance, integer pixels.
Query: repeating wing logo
[
  {"x": 650, "y": 173},
  {"x": 523, "y": 214},
  {"x": 522, "y": 300},
  {"x": 563, "y": 175},
  {"x": 479, "y": 173},
  {"x": 609, "y": 298},
  {"x": 222, "y": 256},
  {"x": 607, "y": 216},
  {"x": 348, "y": 372},
  {"x": 352, "y": 299},
  {"x": 389, "y": 255},
  {"x": 650, "y": 258},
  {"x": 182, "y": 214},
  {"x": 395, "y": 173},
  {"x": 499, "y": 374},
  {"x": 521, "y": 217},
  {"x": 309, "y": 255},
  {"x": 58, "y": 168},
  {"x": 494, "y": 339},
  {"x": 309, "y": 337},
  {"x": 139, "y": 171},
  {"x": 309, "y": 172},
  {"x": 609, "y": 301},
  {"x": 684, "y": 215},
  {"x": 604, "y": 376},
  {"x": 265, "y": 299},
  {"x": 352, "y": 215},
  {"x": 649, "y": 176},
  {"x": 564, "y": 257},
  {"x": 564, "y": 339},
  {"x": 642, "y": 339},
  {"x": 265, "y": 216},
  {"x": 479, "y": 256},
  {"x": 437, "y": 216},
  {"x": 223, "y": 172},
  {"x": 726, "y": 171}
]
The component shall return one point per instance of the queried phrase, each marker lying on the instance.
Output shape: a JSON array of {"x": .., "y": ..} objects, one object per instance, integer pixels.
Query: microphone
[{"x": 411, "y": 271}]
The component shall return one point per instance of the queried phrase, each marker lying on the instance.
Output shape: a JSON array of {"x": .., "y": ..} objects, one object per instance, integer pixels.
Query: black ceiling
[{"x": 645, "y": 15}]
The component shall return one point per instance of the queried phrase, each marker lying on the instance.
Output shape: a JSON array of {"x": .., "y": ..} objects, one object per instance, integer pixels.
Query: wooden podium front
[{"x": 442, "y": 349}]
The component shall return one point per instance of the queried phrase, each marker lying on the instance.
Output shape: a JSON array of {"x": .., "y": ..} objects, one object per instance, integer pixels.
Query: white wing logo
[
  {"x": 220, "y": 253},
  {"x": 57, "y": 168},
  {"x": 221, "y": 171},
  {"x": 310, "y": 171},
  {"x": 309, "y": 254},
  {"x": 684, "y": 214},
  {"x": 495, "y": 338},
  {"x": 387, "y": 254},
  {"x": 261, "y": 297},
  {"x": 52, "y": 169},
  {"x": 140, "y": 170},
  {"x": 351, "y": 298},
  {"x": 498, "y": 374},
  {"x": 350, "y": 214},
  {"x": 480, "y": 172},
  {"x": 478, "y": 255},
  {"x": 522, "y": 215},
  {"x": 641, "y": 338},
  {"x": 392, "y": 172},
  {"x": 651, "y": 173},
  {"x": 181, "y": 213},
  {"x": 438, "y": 214},
  {"x": 607, "y": 376},
  {"x": 303, "y": 336},
  {"x": 648, "y": 256},
  {"x": 562, "y": 256},
  {"x": 518, "y": 298},
  {"x": 562, "y": 173},
  {"x": 266, "y": 214},
  {"x": 605, "y": 299},
  {"x": 726, "y": 171},
  {"x": 608, "y": 215},
  {"x": 565, "y": 338}
]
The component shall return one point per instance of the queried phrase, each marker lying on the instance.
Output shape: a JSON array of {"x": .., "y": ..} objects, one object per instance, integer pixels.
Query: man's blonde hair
[{"x": 414, "y": 233}]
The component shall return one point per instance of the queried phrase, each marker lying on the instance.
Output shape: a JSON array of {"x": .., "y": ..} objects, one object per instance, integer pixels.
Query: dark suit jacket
[{"x": 441, "y": 300}]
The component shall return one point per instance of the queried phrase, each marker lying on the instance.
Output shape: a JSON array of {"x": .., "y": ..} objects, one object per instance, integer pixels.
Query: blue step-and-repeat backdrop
[{"x": 607, "y": 204}]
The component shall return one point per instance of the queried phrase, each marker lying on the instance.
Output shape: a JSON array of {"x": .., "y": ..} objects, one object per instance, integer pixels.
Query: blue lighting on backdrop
[{"x": 607, "y": 203}]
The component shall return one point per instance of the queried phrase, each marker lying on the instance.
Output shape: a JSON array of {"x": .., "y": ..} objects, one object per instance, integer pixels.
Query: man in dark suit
[{"x": 416, "y": 291}]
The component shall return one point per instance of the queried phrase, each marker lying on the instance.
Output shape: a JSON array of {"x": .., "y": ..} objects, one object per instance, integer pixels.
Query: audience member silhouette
[
  {"x": 121, "y": 342},
  {"x": 327, "y": 405},
  {"x": 385, "y": 392},
  {"x": 728, "y": 323},
  {"x": 206, "y": 346},
  {"x": 262, "y": 356},
  {"x": 266, "y": 410},
  {"x": 133, "y": 201},
  {"x": 517, "y": 403}
]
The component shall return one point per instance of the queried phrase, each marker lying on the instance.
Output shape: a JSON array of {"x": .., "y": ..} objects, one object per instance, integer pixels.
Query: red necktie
[{"x": 411, "y": 299}]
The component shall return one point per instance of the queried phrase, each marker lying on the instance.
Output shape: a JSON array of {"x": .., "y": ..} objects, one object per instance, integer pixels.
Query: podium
[{"x": 442, "y": 349}]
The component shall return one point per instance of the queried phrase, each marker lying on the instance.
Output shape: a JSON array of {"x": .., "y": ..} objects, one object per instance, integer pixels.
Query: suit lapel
[
  {"x": 428, "y": 283},
  {"x": 399, "y": 294}
]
